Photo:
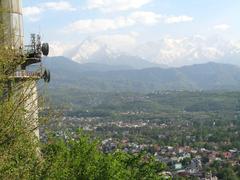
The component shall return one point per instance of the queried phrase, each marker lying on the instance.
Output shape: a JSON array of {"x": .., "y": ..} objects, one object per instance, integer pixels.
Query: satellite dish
[
  {"x": 45, "y": 49},
  {"x": 47, "y": 76}
]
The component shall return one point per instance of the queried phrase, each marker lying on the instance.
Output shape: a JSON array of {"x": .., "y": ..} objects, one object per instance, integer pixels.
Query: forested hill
[{"x": 108, "y": 78}]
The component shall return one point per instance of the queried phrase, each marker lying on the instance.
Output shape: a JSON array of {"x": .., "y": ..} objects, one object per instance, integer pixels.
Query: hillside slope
[{"x": 106, "y": 78}]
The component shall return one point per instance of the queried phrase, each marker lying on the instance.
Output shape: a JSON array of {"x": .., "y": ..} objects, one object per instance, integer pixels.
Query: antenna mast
[{"x": 12, "y": 20}]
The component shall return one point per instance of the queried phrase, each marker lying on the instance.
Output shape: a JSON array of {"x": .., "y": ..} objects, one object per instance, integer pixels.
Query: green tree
[
  {"x": 81, "y": 158},
  {"x": 227, "y": 173},
  {"x": 18, "y": 147}
]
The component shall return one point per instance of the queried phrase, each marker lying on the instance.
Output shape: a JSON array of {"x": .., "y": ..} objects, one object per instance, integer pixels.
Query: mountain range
[
  {"x": 97, "y": 77},
  {"x": 170, "y": 52},
  {"x": 91, "y": 51}
]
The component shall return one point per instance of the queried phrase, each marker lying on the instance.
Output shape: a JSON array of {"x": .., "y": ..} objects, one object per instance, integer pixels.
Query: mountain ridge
[{"x": 91, "y": 77}]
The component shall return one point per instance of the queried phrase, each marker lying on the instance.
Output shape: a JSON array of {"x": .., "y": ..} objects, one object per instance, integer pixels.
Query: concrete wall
[{"x": 31, "y": 106}]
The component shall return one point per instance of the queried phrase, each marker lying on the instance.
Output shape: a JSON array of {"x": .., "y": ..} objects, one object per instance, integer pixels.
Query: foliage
[
  {"x": 80, "y": 158},
  {"x": 18, "y": 147},
  {"x": 224, "y": 170}
]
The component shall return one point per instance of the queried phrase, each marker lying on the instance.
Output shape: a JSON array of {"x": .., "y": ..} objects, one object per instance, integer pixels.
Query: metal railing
[{"x": 22, "y": 74}]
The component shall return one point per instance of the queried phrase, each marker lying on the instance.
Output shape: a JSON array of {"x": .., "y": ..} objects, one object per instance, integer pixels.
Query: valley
[{"x": 195, "y": 133}]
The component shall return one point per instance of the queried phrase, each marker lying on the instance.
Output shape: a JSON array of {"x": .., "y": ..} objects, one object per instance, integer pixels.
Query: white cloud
[
  {"x": 145, "y": 17},
  {"x": 222, "y": 27},
  {"x": 59, "y": 6},
  {"x": 135, "y": 18},
  {"x": 58, "y": 48},
  {"x": 33, "y": 13},
  {"x": 98, "y": 25},
  {"x": 178, "y": 19},
  {"x": 236, "y": 47},
  {"x": 116, "y": 5}
]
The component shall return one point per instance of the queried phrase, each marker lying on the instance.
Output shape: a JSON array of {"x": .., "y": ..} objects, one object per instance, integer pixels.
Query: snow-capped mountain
[
  {"x": 166, "y": 52},
  {"x": 94, "y": 51},
  {"x": 188, "y": 51}
]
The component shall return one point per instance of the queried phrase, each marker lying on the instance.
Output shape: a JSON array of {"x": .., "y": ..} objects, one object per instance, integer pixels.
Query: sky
[{"x": 171, "y": 32}]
